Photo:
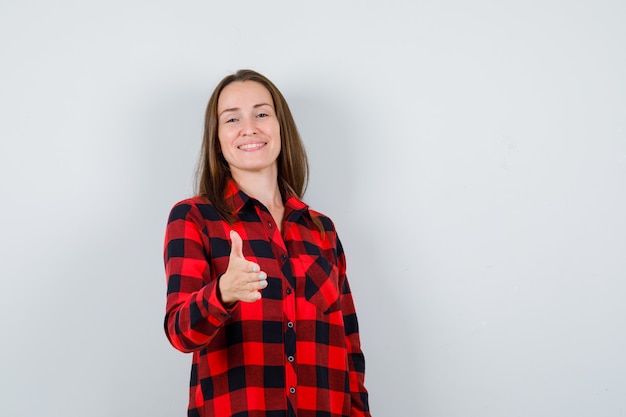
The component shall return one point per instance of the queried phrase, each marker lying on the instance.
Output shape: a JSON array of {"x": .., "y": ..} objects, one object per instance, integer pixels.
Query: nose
[{"x": 249, "y": 128}]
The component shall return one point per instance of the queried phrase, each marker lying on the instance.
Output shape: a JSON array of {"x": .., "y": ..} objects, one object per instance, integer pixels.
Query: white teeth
[{"x": 251, "y": 146}]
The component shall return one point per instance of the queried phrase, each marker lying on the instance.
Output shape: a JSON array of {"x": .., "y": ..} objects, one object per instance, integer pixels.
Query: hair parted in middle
[{"x": 213, "y": 172}]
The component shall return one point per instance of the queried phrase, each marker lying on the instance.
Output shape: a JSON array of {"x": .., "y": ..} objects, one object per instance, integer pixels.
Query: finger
[
  {"x": 236, "y": 245},
  {"x": 259, "y": 282},
  {"x": 256, "y": 287},
  {"x": 251, "y": 296},
  {"x": 252, "y": 267}
]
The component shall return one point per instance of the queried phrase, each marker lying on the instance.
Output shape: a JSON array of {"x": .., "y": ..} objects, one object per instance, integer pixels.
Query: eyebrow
[{"x": 237, "y": 108}]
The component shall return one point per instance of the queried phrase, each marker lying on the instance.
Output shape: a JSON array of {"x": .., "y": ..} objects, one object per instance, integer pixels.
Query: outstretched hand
[{"x": 243, "y": 279}]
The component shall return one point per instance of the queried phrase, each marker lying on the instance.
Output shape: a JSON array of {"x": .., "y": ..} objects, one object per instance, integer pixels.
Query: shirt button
[
  {"x": 283, "y": 257},
  {"x": 290, "y": 358},
  {"x": 269, "y": 224},
  {"x": 292, "y": 390},
  {"x": 288, "y": 291},
  {"x": 290, "y": 324}
]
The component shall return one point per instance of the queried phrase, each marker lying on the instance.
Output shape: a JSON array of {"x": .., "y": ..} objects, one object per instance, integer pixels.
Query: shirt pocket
[{"x": 321, "y": 283}]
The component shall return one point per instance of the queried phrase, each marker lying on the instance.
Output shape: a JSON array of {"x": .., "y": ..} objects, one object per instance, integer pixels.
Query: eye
[
  {"x": 231, "y": 120},
  {"x": 261, "y": 115}
]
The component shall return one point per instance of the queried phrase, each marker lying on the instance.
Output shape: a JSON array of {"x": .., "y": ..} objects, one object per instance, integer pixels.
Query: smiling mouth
[{"x": 251, "y": 146}]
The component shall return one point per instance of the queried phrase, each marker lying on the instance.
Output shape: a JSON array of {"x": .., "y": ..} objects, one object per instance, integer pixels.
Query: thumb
[{"x": 236, "y": 245}]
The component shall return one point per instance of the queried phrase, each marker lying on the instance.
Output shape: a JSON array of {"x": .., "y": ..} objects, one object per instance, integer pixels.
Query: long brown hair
[{"x": 213, "y": 172}]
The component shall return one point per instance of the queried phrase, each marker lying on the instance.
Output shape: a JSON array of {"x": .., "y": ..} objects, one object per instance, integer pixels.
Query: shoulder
[
  {"x": 194, "y": 207},
  {"x": 329, "y": 236},
  {"x": 327, "y": 223},
  {"x": 329, "y": 233}
]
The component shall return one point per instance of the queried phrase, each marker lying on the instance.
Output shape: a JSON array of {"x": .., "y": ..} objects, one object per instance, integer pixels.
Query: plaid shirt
[{"x": 295, "y": 352}]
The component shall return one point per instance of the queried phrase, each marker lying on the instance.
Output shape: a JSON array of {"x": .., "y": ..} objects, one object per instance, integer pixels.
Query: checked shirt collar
[{"x": 237, "y": 199}]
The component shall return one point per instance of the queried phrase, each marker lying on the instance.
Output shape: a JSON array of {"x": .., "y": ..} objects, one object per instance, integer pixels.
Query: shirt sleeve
[
  {"x": 194, "y": 312},
  {"x": 356, "y": 359}
]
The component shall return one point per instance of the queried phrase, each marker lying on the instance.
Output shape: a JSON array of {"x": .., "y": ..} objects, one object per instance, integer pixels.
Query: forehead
[{"x": 241, "y": 94}]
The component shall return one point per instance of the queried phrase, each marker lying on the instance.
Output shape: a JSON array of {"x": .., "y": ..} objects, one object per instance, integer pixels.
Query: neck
[{"x": 261, "y": 187}]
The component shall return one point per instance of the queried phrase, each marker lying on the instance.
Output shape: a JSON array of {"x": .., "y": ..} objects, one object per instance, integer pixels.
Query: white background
[{"x": 472, "y": 155}]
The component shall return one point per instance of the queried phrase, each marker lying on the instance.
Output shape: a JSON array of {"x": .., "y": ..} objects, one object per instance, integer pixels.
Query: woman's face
[{"x": 247, "y": 128}]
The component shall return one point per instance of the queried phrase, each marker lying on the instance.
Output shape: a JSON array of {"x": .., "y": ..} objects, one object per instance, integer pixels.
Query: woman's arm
[
  {"x": 194, "y": 312},
  {"x": 356, "y": 359}
]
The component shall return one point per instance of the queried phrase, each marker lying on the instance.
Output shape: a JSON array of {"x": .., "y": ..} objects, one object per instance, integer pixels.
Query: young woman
[{"x": 256, "y": 280}]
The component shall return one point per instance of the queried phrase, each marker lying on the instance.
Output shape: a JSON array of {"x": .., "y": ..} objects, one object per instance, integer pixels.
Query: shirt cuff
[{"x": 215, "y": 307}]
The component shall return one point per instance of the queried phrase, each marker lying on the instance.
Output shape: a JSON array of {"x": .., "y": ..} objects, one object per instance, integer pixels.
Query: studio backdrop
[{"x": 471, "y": 154}]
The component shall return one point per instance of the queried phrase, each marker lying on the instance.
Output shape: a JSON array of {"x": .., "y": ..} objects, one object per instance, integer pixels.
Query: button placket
[{"x": 289, "y": 311}]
